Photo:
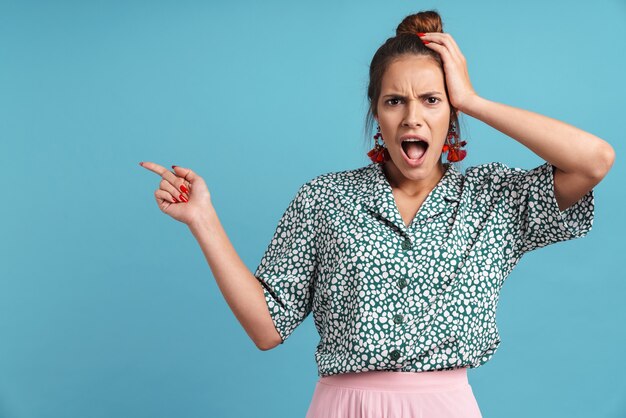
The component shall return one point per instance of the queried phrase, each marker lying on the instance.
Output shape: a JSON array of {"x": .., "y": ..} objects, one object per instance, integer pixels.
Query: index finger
[
  {"x": 164, "y": 173},
  {"x": 156, "y": 168}
]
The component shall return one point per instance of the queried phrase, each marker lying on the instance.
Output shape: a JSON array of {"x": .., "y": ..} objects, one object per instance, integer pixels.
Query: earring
[
  {"x": 379, "y": 153},
  {"x": 455, "y": 153}
]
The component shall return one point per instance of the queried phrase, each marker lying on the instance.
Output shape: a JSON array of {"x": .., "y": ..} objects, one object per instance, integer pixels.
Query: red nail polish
[
  {"x": 420, "y": 34},
  {"x": 174, "y": 166},
  {"x": 426, "y": 42},
  {"x": 181, "y": 197},
  {"x": 184, "y": 189}
]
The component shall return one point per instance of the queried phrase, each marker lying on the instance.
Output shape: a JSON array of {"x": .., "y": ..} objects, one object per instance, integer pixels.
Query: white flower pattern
[{"x": 385, "y": 296}]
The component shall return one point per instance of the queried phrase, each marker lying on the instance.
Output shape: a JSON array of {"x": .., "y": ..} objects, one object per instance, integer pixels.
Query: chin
[{"x": 419, "y": 172}]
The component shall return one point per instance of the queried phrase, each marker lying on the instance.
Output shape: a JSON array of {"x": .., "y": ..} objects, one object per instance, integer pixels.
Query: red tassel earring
[
  {"x": 378, "y": 154},
  {"x": 455, "y": 153}
]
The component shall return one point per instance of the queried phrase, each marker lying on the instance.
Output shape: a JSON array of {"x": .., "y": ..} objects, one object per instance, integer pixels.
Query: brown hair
[{"x": 406, "y": 41}]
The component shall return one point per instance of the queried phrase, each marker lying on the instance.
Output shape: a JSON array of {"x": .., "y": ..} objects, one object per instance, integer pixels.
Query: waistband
[{"x": 392, "y": 380}]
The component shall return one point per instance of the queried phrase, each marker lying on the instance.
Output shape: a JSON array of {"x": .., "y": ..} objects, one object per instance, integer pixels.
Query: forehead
[{"x": 412, "y": 72}]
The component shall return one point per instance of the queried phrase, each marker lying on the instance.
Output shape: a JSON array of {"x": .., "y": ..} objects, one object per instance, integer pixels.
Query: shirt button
[
  {"x": 394, "y": 355},
  {"x": 402, "y": 283},
  {"x": 406, "y": 244},
  {"x": 398, "y": 318}
]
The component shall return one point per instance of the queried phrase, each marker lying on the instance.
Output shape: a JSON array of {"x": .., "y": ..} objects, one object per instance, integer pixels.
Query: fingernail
[
  {"x": 174, "y": 166},
  {"x": 181, "y": 197},
  {"x": 426, "y": 42},
  {"x": 184, "y": 189},
  {"x": 420, "y": 34},
  {"x": 141, "y": 163},
  {"x": 175, "y": 200}
]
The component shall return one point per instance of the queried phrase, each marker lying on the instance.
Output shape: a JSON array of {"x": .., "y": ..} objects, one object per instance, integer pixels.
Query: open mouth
[{"x": 414, "y": 148}]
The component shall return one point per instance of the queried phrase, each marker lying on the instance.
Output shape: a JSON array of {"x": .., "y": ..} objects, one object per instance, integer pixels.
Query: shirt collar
[{"x": 377, "y": 196}]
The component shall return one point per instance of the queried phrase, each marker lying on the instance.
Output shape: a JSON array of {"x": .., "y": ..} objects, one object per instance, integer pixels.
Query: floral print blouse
[{"x": 385, "y": 296}]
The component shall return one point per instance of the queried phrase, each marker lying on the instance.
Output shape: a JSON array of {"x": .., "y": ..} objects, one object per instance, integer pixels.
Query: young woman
[{"x": 402, "y": 261}]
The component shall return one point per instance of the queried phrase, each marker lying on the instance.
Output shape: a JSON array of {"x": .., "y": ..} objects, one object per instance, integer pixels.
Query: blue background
[{"x": 108, "y": 307}]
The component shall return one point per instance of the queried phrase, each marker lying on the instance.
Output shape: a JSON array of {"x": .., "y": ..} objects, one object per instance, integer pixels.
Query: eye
[
  {"x": 436, "y": 98},
  {"x": 391, "y": 100}
]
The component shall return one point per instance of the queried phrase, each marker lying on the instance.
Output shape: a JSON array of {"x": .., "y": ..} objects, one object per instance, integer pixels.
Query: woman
[{"x": 401, "y": 261}]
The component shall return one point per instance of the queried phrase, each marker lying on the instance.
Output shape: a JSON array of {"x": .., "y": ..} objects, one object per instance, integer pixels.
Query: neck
[{"x": 411, "y": 187}]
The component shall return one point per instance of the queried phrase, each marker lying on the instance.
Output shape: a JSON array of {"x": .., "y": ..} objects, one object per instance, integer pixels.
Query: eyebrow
[{"x": 428, "y": 93}]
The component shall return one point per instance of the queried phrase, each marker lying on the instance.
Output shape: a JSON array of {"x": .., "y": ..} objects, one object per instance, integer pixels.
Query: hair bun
[{"x": 425, "y": 21}]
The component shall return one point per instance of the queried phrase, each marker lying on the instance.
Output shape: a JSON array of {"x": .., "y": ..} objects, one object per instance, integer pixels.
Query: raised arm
[
  {"x": 184, "y": 196},
  {"x": 580, "y": 159}
]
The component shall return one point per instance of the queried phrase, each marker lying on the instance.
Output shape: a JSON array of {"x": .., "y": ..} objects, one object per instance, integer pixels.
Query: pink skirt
[{"x": 390, "y": 394}]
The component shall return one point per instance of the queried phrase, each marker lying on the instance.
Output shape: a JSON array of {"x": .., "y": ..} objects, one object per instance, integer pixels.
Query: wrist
[
  {"x": 469, "y": 104},
  {"x": 203, "y": 219}
]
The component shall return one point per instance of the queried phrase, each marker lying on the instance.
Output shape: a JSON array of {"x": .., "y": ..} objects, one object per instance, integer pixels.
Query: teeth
[{"x": 413, "y": 140}]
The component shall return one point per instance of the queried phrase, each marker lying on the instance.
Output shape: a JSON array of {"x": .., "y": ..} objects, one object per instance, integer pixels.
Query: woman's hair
[{"x": 406, "y": 41}]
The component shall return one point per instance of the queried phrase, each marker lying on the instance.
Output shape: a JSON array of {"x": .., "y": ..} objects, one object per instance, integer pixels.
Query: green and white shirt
[{"x": 385, "y": 296}]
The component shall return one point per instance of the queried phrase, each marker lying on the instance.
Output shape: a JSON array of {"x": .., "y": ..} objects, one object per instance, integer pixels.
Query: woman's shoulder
[
  {"x": 342, "y": 180},
  {"x": 494, "y": 171},
  {"x": 339, "y": 185},
  {"x": 486, "y": 169}
]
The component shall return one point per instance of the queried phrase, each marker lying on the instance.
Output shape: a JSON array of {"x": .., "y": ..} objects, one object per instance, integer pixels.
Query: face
[{"x": 413, "y": 101}]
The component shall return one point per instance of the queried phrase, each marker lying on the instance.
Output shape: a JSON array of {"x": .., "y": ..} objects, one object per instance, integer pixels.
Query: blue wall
[{"x": 107, "y": 306}]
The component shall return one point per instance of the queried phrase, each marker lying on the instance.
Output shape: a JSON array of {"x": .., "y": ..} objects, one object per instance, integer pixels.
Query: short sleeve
[
  {"x": 537, "y": 219},
  {"x": 288, "y": 267}
]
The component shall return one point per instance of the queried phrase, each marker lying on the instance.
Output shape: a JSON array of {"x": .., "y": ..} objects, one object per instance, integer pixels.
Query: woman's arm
[
  {"x": 242, "y": 291},
  {"x": 581, "y": 159}
]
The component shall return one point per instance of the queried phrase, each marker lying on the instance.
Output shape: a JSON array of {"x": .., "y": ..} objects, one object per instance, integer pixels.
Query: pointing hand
[{"x": 182, "y": 194}]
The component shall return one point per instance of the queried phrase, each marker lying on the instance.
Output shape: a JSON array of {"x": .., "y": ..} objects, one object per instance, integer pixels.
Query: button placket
[{"x": 402, "y": 282}]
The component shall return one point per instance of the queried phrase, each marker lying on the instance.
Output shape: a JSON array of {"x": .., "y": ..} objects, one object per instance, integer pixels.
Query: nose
[{"x": 413, "y": 115}]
